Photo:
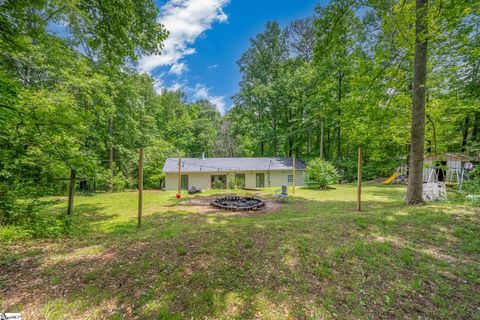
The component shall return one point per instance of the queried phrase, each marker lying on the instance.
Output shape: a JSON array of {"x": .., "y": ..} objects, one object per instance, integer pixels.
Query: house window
[
  {"x": 218, "y": 181},
  {"x": 290, "y": 178},
  {"x": 239, "y": 180},
  {"x": 260, "y": 180},
  {"x": 184, "y": 182}
]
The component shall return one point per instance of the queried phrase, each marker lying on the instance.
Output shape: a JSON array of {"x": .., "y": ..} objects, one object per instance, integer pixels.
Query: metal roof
[
  {"x": 232, "y": 164},
  {"x": 445, "y": 155}
]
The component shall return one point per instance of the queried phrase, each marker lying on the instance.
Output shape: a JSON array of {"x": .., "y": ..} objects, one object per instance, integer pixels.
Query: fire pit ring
[{"x": 236, "y": 203}]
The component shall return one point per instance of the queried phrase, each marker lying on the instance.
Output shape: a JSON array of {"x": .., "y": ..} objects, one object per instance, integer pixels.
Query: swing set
[{"x": 452, "y": 175}]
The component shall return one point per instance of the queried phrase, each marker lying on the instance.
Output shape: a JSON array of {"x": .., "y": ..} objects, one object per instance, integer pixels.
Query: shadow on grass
[{"x": 312, "y": 259}]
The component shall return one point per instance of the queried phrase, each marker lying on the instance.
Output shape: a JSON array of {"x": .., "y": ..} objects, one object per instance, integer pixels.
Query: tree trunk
[
  {"x": 71, "y": 192},
  {"x": 290, "y": 146},
  {"x": 465, "y": 133},
  {"x": 339, "y": 142},
  {"x": 322, "y": 136},
  {"x": 434, "y": 134},
  {"x": 415, "y": 179},
  {"x": 275, "y": 143},
  {"x": 328, "y": 146},
  {"x": 476, "y": 126},
  {"x": 308, "y": 143},
  {"x": 110, "y": 153}
]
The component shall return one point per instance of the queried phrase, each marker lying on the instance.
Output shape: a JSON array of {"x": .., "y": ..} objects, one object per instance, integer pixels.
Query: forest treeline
[
  {"x": 343, "y": 78},
  {"x": 71, "y": 98}
]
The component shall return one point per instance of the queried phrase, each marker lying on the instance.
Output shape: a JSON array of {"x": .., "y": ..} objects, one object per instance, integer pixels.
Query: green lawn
[{"x": 314, "y": 258}]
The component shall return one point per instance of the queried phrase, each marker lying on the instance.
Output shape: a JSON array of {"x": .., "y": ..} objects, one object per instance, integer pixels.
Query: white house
[{"x": 207, "y": 173}]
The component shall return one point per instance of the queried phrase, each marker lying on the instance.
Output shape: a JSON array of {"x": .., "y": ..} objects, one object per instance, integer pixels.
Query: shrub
[
  {"x": 105, "y": 181},
  {"x": 218, "y": 184},
  {"x": 236, "y": 182},
  {"x": 7, "y": 204},
  {"x": 475, "y": 173},
  {"x": 473, "y": 185},
  {"x": 320, "y": 174}
]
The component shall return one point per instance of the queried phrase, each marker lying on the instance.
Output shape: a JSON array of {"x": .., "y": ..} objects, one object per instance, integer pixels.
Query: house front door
[
  {"x": 184, "y": 182},
  {"x": 260, "y": 180}
]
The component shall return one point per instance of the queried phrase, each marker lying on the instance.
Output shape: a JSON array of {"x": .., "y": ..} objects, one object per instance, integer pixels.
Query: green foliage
[
  {"x": 218, "y": 184},
  {"x": 320, "y": 174},
  {"x": 355, "y": 83},
  {"x": 104, "y": 180},
  {"x": 472, "y": 186},
  {"x": 28, "y": 218},
  {"x": 370, "y": 170},
  {"x": 63, "y": 108},
  {"x": 236, "y": 182},
  {"x": 340, "y": 73},
  {"x": 7, "y": 204},
  {"x": 475, "y": 173}
]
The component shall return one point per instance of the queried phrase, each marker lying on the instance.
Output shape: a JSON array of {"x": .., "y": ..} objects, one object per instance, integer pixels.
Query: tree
[
  {"x": 301, "y": 38},
  {"x": 260, "y": 65},
  {"x": 415, "y": 179},
  {"x": 320, "y": 174},
  {"x": 59, "y": 97}
]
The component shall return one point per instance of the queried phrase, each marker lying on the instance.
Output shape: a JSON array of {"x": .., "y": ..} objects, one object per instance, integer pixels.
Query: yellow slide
[{"x": 391, "y": 178}]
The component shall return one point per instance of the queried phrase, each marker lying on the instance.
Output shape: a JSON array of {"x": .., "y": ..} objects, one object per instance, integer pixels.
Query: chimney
[{"x": 203, "y": 156}]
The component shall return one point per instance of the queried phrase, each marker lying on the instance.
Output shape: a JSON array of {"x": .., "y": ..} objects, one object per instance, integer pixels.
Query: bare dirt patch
[{"x": 202, "y": 205}]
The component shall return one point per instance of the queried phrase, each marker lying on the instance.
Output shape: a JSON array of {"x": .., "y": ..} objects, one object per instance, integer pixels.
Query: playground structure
[
  {"x": 448, "y": 168},
  {"x": 399, "y": 177}
]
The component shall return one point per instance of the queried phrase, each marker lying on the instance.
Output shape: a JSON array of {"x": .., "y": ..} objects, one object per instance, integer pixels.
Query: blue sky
[{"x": 208, "y": 37}]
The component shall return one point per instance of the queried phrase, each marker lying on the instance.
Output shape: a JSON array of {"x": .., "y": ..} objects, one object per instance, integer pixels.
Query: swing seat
[{"x": 451, "y": 184}]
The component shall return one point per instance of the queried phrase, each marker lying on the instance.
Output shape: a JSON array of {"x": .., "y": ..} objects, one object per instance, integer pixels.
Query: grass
[{"x": 314, "y": 258}]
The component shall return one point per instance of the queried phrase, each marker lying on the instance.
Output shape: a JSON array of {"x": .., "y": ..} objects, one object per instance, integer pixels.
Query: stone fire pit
[{"x": 236, "y": 203}]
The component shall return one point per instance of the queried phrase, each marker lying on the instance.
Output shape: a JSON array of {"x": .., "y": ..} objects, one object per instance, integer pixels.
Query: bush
[
  {"x": 236, "y": 182},
  {"x": 475, "y": 173},
  {"x": 320, "y": 174},
  {"x": 7, "y": 204},
  {"x": 33, "y": 218},
  {"x": 472, "y": 186},
  {"x": 105, "y": 181},
  {"x": 218, "y": 184}
]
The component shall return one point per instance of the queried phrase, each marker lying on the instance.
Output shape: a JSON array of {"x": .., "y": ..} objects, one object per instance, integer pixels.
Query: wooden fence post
[
  {"x": 179, "y": 177},
  {"x": 293, "y": 174},
  {"x": 140, "y": 187},
  {"x": 359, "y": 180}
]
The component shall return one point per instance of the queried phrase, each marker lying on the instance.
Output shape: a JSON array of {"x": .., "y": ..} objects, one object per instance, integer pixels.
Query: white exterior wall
[{"x": 202, "y": 179}]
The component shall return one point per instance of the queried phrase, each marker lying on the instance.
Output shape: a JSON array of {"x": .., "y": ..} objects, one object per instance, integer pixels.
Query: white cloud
[
  {"x": 176, "y": 86},
  {"x": 212, "y": 66},
  {"x": 158, "y": 84},
  {"x": 202, "y": 92},
  {"x": 178, "y": 68},
  {"x": 186, "y": 20}
]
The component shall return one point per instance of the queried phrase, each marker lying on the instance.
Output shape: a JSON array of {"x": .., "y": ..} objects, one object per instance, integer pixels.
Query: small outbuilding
[
  {"x": 446, "y": 166},
  {"x": 222, "y": 173}
]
